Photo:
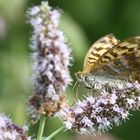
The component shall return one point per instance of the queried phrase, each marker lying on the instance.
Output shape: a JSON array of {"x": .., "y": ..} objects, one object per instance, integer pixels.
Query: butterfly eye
[{"x": 87, "y": 78}]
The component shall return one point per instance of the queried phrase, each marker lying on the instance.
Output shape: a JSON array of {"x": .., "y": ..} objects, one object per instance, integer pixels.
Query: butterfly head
[
  {"x": 79, "y": 75},
  {"x": 86, "y": 78}
]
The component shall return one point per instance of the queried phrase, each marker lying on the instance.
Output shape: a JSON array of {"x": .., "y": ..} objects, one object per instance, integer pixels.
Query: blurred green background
[{"x": 83, "y": 21}]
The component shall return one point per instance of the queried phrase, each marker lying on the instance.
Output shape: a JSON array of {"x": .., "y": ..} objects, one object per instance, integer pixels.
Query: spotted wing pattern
[{"x": 97, "y": 50}]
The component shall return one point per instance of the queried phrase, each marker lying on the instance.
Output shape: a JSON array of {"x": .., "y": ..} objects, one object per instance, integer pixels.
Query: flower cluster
[
  {"x": 98, "y": 114},
  {"x": 51, "y": 59},
  {"x": 10, "y": 131}
]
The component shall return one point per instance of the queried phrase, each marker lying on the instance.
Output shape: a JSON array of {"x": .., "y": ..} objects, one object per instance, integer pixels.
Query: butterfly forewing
[{"x": 97, "y": 50}]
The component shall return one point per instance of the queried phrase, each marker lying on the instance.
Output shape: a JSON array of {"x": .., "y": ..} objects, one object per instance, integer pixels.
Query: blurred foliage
[{"x": 83, "y": 22}]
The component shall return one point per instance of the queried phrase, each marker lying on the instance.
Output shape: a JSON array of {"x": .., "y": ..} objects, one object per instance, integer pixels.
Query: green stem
[
  {"x": 55, "y": 133},
  {"x": 41, "y": 127}
]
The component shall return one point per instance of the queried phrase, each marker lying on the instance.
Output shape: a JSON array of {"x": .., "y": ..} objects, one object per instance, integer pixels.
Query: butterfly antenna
[
  {"x": 75, "y": 84},
  {"x": 75, "y": 98},
  {"x": 76, "y": 93}
]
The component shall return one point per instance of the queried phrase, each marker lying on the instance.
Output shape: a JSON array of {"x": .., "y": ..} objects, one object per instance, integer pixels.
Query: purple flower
[
  {"x": 10, "y": 131},
  {"x": 51, "y": 58},
  {"x": 98, "y": 114}
]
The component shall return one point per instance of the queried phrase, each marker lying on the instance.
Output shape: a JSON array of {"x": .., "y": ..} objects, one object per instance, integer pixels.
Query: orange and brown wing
[{"x": 97, "y": 50}]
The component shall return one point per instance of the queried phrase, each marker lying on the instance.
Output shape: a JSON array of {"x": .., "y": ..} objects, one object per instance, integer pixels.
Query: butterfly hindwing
[{"x": 123, "y": 60}]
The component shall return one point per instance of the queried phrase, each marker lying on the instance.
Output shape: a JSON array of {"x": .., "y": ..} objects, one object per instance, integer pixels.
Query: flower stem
[
  {"x": 55, "y": 133},
  {"x": 41, "y": 127}
]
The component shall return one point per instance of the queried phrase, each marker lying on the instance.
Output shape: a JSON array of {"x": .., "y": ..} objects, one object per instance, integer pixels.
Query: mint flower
[
  {"x": 51, "y": 59},
  {"x": 94, "y": 115},
  {"x": 10, "y": 131}
]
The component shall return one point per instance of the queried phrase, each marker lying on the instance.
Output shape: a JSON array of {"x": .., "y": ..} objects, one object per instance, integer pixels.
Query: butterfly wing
[
  {"x": 122, "y": 61},
  {"x": 97, "y": 50}
]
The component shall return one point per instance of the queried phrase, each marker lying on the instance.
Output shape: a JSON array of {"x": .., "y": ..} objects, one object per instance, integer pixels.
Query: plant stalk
[
  {"x": 41, "y": 127},
  {"x": 55, "y": 133}
]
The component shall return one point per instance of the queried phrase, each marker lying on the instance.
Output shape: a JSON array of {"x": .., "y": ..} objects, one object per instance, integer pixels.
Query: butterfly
[{"x": 110, "y": 59}]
